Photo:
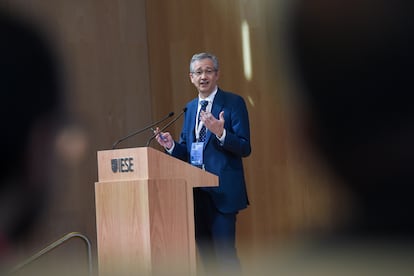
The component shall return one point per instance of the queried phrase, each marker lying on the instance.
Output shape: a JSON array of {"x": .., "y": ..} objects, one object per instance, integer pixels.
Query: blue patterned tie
[{"x": 203, "y": 131}]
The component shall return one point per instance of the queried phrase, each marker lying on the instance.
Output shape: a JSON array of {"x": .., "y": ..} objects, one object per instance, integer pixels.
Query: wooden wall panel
[
  {"x": 104, "y": 47},
  {"x": 289, "y": 190}
]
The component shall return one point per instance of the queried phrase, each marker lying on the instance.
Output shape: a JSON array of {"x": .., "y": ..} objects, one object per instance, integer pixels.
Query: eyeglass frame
[{"x": 200, "y": 72}]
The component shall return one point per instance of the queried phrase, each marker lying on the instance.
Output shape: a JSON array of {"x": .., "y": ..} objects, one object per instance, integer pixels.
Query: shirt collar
[{"x": 210, "y": 98}]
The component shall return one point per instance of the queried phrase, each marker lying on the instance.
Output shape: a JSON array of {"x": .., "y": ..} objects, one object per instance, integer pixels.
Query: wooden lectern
[{"x": 144, "y": 212}]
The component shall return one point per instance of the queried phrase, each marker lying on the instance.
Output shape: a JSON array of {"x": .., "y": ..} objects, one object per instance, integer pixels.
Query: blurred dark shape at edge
[
  {"x": 32, "y": 89},
  {"x": 353, "y": 61}
]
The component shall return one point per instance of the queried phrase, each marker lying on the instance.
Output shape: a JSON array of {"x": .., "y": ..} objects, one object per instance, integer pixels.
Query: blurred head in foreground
[
  {"x": 352, "y": 66},
  {"x": 30, "y": 85},
  {"x": 354, "y": 63}
]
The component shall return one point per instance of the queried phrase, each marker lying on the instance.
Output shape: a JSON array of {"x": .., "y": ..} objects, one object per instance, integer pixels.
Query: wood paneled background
[{"x": 127, "y": 64}]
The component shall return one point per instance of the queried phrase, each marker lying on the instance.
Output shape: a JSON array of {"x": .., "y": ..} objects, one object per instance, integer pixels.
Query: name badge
[{"x": 196, "y": 154}]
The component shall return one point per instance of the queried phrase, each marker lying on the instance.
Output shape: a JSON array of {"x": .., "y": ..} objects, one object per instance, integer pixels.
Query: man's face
[{"x": 204, "y": 76}]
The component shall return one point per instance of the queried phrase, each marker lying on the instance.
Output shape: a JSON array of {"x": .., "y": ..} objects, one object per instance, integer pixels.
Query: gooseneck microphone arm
[
  {"x": 142, "y": 129},
  {"x": 166, "y": 126}
]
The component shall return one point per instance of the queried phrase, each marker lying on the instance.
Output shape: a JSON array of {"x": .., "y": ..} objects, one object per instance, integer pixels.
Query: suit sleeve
[
  {"x": 237, "y": 127},
  {"x": 180, "y": 149}
]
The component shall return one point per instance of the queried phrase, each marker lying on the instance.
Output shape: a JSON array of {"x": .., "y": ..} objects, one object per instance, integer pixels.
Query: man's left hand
[{"x": 216, "y": 126}]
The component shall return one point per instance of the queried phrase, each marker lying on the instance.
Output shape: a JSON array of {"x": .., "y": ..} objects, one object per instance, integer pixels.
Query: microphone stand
[
  {"x": 142, "y": 130},
  {"x": 166, "y": 126}
]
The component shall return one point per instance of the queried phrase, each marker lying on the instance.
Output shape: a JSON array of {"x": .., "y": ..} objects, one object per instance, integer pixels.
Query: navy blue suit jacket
[{"x": 223, "y": 160}]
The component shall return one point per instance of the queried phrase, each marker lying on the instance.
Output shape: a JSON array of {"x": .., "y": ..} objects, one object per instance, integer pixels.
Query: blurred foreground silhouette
[
  {"x": 32, "y": 111},
  {"x": 352, "y": 65},
  {"x": 353, "y": 60}
]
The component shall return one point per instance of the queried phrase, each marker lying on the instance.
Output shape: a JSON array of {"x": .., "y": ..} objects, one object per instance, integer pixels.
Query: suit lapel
[
  {"x": 218, "y": 104},
  {"x": 192, "y": 115}
]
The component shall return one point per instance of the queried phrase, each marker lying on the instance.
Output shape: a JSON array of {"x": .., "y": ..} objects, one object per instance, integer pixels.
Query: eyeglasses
[{"x": 208, "y": 72}]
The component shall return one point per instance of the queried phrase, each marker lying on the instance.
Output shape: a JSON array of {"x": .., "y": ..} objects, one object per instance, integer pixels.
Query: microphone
[
  {"x": 165, "y": 127},
  {"x": 142, "y": 129}
]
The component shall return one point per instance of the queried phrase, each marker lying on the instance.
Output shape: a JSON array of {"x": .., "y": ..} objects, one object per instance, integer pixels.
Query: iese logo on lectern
[{"x": 122, "y": 165}]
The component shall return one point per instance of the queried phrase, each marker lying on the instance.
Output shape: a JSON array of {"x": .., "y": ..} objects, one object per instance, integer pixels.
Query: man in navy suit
[{"x": 214, "y": 137}]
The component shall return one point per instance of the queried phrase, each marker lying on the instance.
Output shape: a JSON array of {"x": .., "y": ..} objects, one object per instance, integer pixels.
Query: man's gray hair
[{"x": 201, "y": 56}]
